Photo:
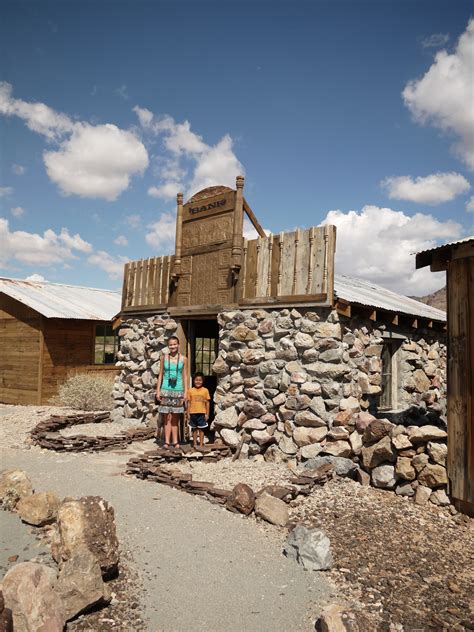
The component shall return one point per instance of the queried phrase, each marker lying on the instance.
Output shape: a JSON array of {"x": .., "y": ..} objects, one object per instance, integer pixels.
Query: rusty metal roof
[
  {"x": 54, "y": 300},
  {"x": 371, "y": 295}
]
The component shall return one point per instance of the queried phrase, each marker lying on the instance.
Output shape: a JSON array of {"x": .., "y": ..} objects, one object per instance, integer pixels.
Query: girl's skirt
[{"x": 171, "y": 402}]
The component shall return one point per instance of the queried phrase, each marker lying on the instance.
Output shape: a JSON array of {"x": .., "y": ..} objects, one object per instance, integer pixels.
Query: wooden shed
[
  {"x": 458, "y": 261},
  {"x": 48, "y": 331}
]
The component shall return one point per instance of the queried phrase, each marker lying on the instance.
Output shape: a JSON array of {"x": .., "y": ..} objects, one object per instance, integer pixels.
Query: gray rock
[
  {"x": 309, "y": 547},
  {"x": 405, "y": 490},
  {"x": 342, "y": 466},
  {"x": 384, "y": 476},
  {"x": 272, "y": 509},
  {"x": 227, "y": 418}
]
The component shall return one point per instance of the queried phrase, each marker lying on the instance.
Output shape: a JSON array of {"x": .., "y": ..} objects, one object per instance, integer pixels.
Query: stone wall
[{"x": 141, "y": 341}]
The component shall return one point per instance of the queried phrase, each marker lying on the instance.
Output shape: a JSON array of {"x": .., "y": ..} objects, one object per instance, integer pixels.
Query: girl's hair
[
  {"x": 198, "y": 374},
  {"x": 173, "y": 338}
]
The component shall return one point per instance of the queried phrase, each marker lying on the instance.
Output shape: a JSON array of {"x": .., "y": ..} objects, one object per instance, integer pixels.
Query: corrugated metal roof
[
  {"x": 372, "y": 295},
  {"x": 451, "y": 243},
  {"x": 55, "y": 300}
]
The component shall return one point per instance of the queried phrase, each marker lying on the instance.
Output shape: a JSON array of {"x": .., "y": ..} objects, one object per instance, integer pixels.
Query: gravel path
[{"x": 202, "y": 567}]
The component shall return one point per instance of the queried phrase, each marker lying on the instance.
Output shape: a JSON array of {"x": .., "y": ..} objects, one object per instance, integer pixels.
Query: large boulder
[
  {"x": 38, "y": 509},
  {"x": 242, "y": 499},
  {"x": 376, "y": 430},
  {"x": 309, "y": 547},
  {"x": 6, "y": 620},
  {"x": 342, "y": 466},
  {"x": 433, "y": 475},
  {"x": 272, "y": 509},
  {"x": 88, "y": 523},
  {"x": 379, "y": 452},
  {"x": 14, "y": 484},
  {"x": 80, "y": 584},
  {"x": 28, "y": 591}
]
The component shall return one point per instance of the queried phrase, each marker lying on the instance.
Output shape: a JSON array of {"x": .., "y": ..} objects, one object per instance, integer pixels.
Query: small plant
[
  {"x": 10, "y": 499},
  {"x": 86, "y": 392}
]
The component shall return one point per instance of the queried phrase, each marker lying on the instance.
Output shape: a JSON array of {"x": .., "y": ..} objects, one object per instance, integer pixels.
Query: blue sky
[{"x": 355, "y": 113}]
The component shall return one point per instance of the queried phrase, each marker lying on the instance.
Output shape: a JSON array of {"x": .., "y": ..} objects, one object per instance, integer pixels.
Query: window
[
  {"x": 389, "y": 378},
  {"x": 205, "y": 354},
  {"x": 105, "y": 344}
]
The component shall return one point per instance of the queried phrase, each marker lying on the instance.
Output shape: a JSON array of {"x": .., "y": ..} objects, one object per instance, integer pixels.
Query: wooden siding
[
  {"x": 146, "y": 283},
  {"x": 461, "y": 380},
  {"x": 20, "y": 352}
]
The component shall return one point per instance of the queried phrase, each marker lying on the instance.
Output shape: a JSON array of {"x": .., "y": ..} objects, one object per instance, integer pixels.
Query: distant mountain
[{"x": 437, "y": 299}]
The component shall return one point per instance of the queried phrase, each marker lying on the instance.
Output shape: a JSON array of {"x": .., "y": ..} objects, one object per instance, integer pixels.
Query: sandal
[
  {"x": 176, "y": 446},
  {"x": 166, "y": 446}
]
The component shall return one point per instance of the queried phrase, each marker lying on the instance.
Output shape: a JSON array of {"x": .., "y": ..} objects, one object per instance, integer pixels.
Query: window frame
[
  {"x": 108, "y": 331},
  {"x": 391, "y": 345}
]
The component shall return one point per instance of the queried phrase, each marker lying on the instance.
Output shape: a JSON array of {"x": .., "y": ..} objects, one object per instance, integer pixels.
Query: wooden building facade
[
  {"x": 50, "y": 331},
  {"x": 458, "y": 261}
]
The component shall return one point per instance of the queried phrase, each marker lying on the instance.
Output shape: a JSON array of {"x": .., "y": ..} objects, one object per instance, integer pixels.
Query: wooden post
[
  {"x": 269, "y": 275},
  {"x": 179, "y": 231},
  {"x": 238, "y": 224},
  {"x": 310, "y": 261}
]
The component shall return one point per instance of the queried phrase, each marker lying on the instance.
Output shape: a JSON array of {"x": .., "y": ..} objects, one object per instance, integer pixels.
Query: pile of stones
[
  {"x": 47, "y": 434},
  {"x": 211, "y": 453},
  {"x": 83, "y": 544}
]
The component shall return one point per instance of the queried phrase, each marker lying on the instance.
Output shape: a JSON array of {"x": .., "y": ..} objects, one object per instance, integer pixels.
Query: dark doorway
[{"x": 203, "y": 344}]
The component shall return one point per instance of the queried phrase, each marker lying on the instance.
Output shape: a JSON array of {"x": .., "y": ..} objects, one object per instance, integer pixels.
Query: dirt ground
[{"x": 399, "y": 566}]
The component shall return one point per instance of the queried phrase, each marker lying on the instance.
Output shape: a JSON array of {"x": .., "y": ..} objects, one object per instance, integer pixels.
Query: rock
[
  {"x": 309, "y": 547},
  {"x": 309, "y": 419},
  {"x": 262, "y": 437},
  {"x": 220, "y": 366},
  {"x": 439, "y": 497},
  {"x": 404, "y": 469},
  {"x": 363, "y": 420},
  {"x": 421, "y": 381},
  {"x": 338, "y": 433},
  {"x": 326, "y": 370},
  {"x": 272, "y": 510},
  {"x": 242, "y": 499},
  {"x": 401, "y": 442},
  {"x": 310, "y": 388},
  {"x": 376, "y": 430},
  {"x": 304, "y": 436},
  {"x": 433, "y": 476},
  {"x": 243, "y": 334},
  {"x": 422, "y": 495},
  {"x": 253, "y": 424},
  {"x": 423, "y": 434},
  {"x": 227, "y": 418},
  {"x": 303, "y": 341},
  {"x": 328, "y": 330},
  {"x": 252, "y": 356},
  {"x": 287, "y": 445},
  {"x": 342, "y": 466},
  {"x": 230, "y": 437},
  {"x": 14, "y": 484},
  {"x": 38, "y": 509},
  {"x": 405, "y": 489},
  {"x": 338, "y": 448},
  {"x": 28, "y": 591},
  {"x": 279, "y": 491},
  {"x": 342, "y": 418},
  {"x": 335, "y": 618},
  {"x": 80, "y": 584},
  {"x": 438, "y": 452},
  {"x": 253, "y": 408},
  {"x": 349, "y": 403},
  {"x": 6, "y": 620},
  {"x": 310, "y": 451},
  {"x": 362, "y": 477},
  {"x": 88, "y": 522},
  {"x": 384, "y": 476},
  {"x": 419, "y": 461},
  {"x": 331, "y": 355},
  {"x": 356, "y": 442},
  {"x": 379, "y": 452}
]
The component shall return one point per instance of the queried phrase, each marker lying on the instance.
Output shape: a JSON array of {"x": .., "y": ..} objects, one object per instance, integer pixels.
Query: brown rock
[
  {"x": 80, "y": 584},
  {"x": 272, "y": 510},
  {"x": 243, "y": 334},
  {"x": 253, "y": 408},
  {"x": 380, "y": 452},
  {"x": 421, "y": 381},
  {"x": 14, "y": 484},
  {"x": 220, "y": 366},
  {"x": 342, "y": 418},
  {"x": 401, "y": 442},
  {"x": 363, "y": 420},
  {"x": 338, "y": 448},
  {"x": 279, "y": 491},
  {"x": 423, "y": 434},
  {"x": 362, "y": 477},
  {"x": 419, "y": 461},
  {"x": 404, "y": 469},
  {"x": 305, "y": 436},
  {"x": 242, "y": 499},
  {"x": 422, "y": 495},
  {"x": 28, "y": 591},
  {"x": 307, "y": 418},
  {"x": 438, "y": 452},
  {"x": 376, "y": 430},
  {"x": 433, "y": 476},
  {"x": 6, "y": 619},
  {"x": 88, "y": 522},
  {"x": 335, "y": 618},
  {"x": 38, "y": 509}
]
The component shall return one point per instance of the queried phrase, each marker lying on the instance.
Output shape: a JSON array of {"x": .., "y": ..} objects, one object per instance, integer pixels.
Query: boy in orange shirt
[{"x": 198, "y": 409}]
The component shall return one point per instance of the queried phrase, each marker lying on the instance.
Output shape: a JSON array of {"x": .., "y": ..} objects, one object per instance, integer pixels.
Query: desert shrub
[{"x": 86, "y": 392}]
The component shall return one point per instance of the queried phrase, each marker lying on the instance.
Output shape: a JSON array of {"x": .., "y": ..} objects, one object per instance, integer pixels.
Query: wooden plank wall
[
  {"x": 296, "y": 265},
  {"x": 146, "y": 282},
  {"x": 20, "y": 352},
  {"x": 461, "y": 380}
]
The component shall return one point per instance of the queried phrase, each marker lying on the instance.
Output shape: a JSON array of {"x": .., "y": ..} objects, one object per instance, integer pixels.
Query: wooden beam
[
  {"x": 290, "y": 298},
  {"x": 40, "y": 360},
  {"x": 253, "y": 219},
  {"x": 394, "y": 320},
  {"x": 373, "y": 314},
  {"x": 414, "y": 322},
  {"x": 343, "y": 308}
]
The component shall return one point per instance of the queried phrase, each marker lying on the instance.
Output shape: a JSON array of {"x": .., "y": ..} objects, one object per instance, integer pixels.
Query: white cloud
[
  {"x": 166, "y": 191},
  {"x": 133, "y": 221},
  {"x": 436, "y": 40},
  {"x": 162, "y": 233},
  {"x": 17, "y": 211},
  {"x": 5, "y": 191},
  {"x": 121, "y": 240},
  {"x": 378, "y": 244},
  {"x": 113, "y": 266},
  {"x": 444, "y": 95},
  {"x": 90, "y": 160},
  {"x": 470, "y": 204},
  {"x": 18, "y": 170},
  {"x": 433, "y": 189},
  {"x": 122, "y": 92},
  {"x": 210, "y": 164},
  {"x": 249, "y": 230},
  {"x": 37, "y": 278},
  {"x": 34, "y": 249}
]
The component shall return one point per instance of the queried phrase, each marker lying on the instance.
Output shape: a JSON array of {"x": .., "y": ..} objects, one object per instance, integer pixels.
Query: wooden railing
[
  {"x": 288, "y": 267},
  {"x": 146, "y": 283}
]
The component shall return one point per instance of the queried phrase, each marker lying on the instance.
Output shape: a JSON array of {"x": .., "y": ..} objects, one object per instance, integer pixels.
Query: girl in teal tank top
[{"x": 172, "y": 390}]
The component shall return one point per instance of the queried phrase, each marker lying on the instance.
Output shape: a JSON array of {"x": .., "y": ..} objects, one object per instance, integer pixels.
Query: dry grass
[{"x": 85, "y": 392}]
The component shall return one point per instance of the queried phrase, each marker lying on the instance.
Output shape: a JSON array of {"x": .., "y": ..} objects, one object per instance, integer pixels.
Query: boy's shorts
[{"x": 197, "y": 420}]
